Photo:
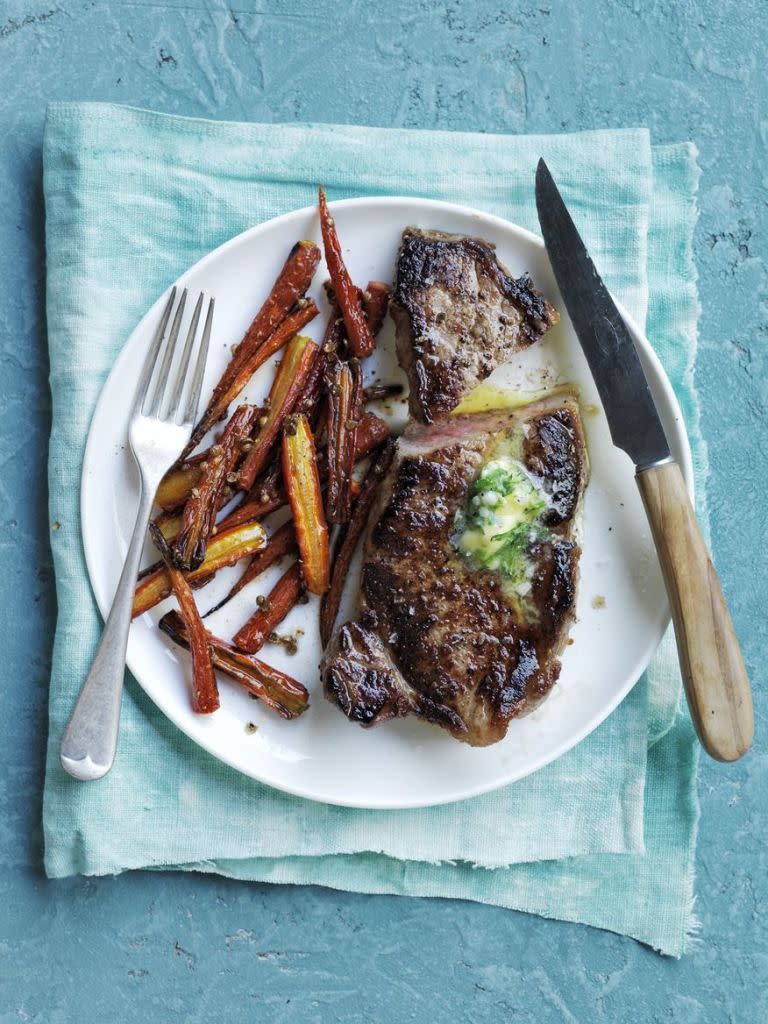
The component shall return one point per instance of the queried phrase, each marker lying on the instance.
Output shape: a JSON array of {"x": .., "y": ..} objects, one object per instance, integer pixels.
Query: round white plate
[{"x": 622, "y": 607}]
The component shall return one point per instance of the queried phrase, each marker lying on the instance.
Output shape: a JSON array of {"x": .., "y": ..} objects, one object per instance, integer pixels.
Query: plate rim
[{"x": 103, "y": 601}]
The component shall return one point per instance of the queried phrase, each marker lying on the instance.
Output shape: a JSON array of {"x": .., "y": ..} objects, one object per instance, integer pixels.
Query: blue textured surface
[{"x": 145, "y": 947}]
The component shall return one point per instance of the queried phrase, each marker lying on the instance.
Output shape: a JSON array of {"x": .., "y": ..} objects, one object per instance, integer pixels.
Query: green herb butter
[{"x": 502, "y": 520}]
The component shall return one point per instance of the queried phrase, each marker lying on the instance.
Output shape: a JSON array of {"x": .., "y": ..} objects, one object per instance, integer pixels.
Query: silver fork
[{"x": 159, "y": 427}]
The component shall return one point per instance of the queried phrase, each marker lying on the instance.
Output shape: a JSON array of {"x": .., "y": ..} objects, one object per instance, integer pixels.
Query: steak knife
[{"x": 714, "y": 676}]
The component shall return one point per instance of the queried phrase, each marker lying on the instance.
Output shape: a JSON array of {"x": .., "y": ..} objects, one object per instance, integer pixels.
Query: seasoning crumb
[
  {"x": 250, "y": 728},
  {"x": 598, "y": 601},
  {"x": 570, "y": 641},
  {"x": 288, "y": 641},
  {"x": 55, "y": 525}
]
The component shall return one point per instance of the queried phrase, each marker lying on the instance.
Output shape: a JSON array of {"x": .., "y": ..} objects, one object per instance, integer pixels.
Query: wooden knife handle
[{"x": 715, "y": 679}]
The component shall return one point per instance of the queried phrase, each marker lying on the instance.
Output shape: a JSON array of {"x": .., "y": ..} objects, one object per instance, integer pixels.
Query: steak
[
  {"x": 440, "y": 634},
  {"x": 459, "y": 314}
]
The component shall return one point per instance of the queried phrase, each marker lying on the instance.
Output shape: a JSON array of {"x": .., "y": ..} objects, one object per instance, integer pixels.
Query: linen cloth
[{"x": 606, "y": 834}]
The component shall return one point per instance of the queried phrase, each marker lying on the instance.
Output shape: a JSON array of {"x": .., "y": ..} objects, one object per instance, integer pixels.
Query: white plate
[{"x": 622, "y": 607}]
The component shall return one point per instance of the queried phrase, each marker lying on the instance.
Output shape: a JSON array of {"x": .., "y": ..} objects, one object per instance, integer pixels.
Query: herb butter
[{"x": 502, "y": 519}]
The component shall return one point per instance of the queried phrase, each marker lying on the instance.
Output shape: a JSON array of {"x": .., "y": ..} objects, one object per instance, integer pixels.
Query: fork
[{"x": 159, "y": 427}]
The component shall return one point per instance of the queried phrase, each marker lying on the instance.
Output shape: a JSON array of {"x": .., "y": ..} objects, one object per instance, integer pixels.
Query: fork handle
[
  {"x": 90, "y": 739},
  {"x": 715, "y": 679}
]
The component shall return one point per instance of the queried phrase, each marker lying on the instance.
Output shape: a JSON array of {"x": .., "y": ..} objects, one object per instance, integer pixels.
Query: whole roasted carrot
[
  {"x": 302, "y": 484},
  {"x": 204, "y": 501},
  {"x": 281, "y": 543},
  {"x": 358, "y": 330},
  {"x": 343, "y": 385},
  {"x": 227, "y": 391},
  {"x": 286, "y": 388},
  {"x": 276, "y": 689},
  {"x": 283, "y": 596},
  {"x": 205, "y": 692},
  {"x": 350, "y": 535},
  {"x": 292, "y": 281},
  {"x": 226, "y": 548}
]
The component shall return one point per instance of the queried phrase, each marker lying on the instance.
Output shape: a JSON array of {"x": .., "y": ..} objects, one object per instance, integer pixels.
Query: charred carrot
[
  {"x": 343, "y": 383},
  {"x": 282, "y": 334},
  {"x": 268, "y": 494},
  {"x": 286, "y": 388},
  {"x": 205, "y": 693},
  {"x": 178, "y": 482},
  {"x": 281, "y": 543},
  {"x": 204, "y": 501},
  {"x": 226, "y": 548},
  {"x": 347, "y": 542},
  {"x": 309, "y": 401},
  {"x": 277, "y": 690},
  {"x": 283, "y": 596},
  {"x": 375, "y": 302},
  {"x": 292, "y": 281},
  {"x": 358, "y": 330},
  {"x": 302, "y": 484},
  {"x": 169, "y": 524}
]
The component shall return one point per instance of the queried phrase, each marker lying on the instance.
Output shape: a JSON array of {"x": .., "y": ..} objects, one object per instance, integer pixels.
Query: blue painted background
[{"x": 149, "y": 947}]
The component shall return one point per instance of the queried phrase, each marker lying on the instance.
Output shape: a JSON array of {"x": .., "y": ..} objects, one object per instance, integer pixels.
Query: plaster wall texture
[{"x": 146, "y": 946}]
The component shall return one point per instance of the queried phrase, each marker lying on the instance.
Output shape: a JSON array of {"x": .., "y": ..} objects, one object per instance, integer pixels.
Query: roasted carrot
[
  {"x": 283, "y": 596},
  {"x": 292, "y": 281},
  {"x": 204, "y": 501},
  {"x": 268, "y": 494},
  {"x": 343, "y": 382},
  {"x": 178, "y": 482},
  {"x": 281, "y": 543},
  {"x": 205, "y": 692},
  {"x": 286, "y": 388},
  {"x": 300, "y": 317},
  {"x": 350, "y": 535},
  {"x": 277, "y": 690},
  {"x": 169, "y": 524},
  {"x": 289, "y": 288},
  {"x": 258, "y": 508},
  {"x": 358, "y": 330},
  {"x": 375, "y": 302},
  {"x": 302, "y": 484},
  {"x": 226, "y": 548},
  {"x": 309, "y": 401}
]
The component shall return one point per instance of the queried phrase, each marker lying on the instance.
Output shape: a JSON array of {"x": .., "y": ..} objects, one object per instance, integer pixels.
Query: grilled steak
[
  {"x": 469, "y": 575},
  {"x": 459, "y": 315}
]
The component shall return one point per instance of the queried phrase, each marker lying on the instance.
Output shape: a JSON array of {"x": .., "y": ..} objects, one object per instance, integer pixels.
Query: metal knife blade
[{"x": 621, "y": 382}]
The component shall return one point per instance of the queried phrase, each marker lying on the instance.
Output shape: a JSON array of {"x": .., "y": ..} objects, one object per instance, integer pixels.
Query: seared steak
[
  {"x": 459, "y": 315},
  {"x": 469, "y": 574}
]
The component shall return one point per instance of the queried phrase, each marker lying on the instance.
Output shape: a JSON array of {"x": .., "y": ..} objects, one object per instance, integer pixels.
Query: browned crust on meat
[
  {"x": 437, "y": 637},
  {"x": 459, "y": 314}
]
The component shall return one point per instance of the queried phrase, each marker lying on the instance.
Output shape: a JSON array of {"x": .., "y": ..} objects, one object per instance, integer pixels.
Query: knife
[{"x": 714, "y": 676}]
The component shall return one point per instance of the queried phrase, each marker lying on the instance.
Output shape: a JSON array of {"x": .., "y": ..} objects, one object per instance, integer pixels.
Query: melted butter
[
  {"x": 502, "y": 519},
  {"x": 486, "y": 396}
]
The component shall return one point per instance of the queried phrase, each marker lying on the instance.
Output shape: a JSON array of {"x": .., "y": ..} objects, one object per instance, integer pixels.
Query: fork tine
[
  {"x": 174, "y": 401},
  {"x": 193, "y": 398},
  {"x": 151, "y": 357},
  {"x": 152, "y": 406}
]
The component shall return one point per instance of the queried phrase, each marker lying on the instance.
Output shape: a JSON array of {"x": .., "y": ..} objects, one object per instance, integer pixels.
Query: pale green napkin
[{"x": 606, "y": 834}]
